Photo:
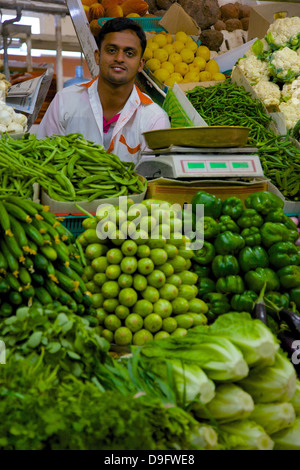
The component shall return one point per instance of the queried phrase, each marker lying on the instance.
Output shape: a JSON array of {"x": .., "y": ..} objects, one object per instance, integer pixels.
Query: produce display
[{"x": 70, "y": 171}]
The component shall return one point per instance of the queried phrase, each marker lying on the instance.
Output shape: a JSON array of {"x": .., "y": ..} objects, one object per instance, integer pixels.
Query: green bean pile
[
  {"x": 227, "y": 104},
  {"x": 69, "y": 168}
]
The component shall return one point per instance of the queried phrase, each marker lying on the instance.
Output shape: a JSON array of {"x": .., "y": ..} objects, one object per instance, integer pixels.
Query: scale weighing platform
[{"x": 188, "y": 162}]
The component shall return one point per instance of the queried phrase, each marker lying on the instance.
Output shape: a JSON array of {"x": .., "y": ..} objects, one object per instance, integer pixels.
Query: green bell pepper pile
[{"x": 249, "y": 247}]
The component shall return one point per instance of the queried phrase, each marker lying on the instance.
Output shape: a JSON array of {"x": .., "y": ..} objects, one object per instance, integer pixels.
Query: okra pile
[{"x": 69, "y": 168}]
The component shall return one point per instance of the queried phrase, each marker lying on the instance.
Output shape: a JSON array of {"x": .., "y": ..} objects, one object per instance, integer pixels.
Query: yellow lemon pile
[{"x": 180, "y": 59}]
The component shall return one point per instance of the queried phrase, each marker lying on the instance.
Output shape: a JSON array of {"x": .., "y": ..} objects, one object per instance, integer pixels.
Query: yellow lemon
[
  {"x": 161, "y": 75},
  {"x": 204, "y": 52},
  {"x": 204, "y": 76},
  {"x": 178, "y": 78},
  {"x": 194, "y": 68},
  {"x": 192, "y": 77},
  {"x": 160, "y": 39},
  {"x": 169, "y": 38},
  {"x": 181, "y": 36},
  {"x": 174, "y": 58},
  {"x": 169, "y": 48},
  {"x": 187, "y": 55},
  {"x": 192, "y": 45},
  {"x": 148, "y": 54},
  {"x": 181, "y": 68},
  {"x": 185, "y": 80},
  {"x": 153, "y": 45},
  {"x": 168, "y": 66},
  {"x": 149, "y": 40},
  {"x": 178, "y": 46},
  {"x": 153, "y": 64},
  {"x": 170, "y": 81},
  {"x": 200, "y": 62},
  {"x": 218, "y": 76},
  {"x": 160, "y": 54},
  {"x": 133, "y": 15},
  {"x": 212, "y": 66}
]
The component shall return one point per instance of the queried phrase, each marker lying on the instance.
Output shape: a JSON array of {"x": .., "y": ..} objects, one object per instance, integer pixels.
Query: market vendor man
[{"x": 110, "y": 109}]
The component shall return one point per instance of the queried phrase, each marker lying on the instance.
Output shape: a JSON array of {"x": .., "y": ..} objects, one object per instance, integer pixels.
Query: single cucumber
[
  {"x": 32, "y": 247},
  {"x": 50, "y": 270},
  {"x": 36, "y": 303},
  {"x": 3, "y": 263},
  {"x": 77, "y": 296},
  {"x": 15, "y": 298},
  {"x": 65, "y": 282},
  {"x": 52, "y": 231},
  {"x": 17, "y": 212},
  {"x": 24, "y": 276},
  {"x": 76, "y": 267},
  {"x": 6, "y": 309},
  {"x": 66, "y": 299},
  {"x": 68, "y": 271},
  {"x": 19, "y": 232},
  {"x": 4, "y": 219},
  {"x": 40, "y": 225},
  {"x": 12, "y": 263},
  {"x": 43, "y": 295},
  {"x": 13, "y": 282},
  {"x": 4, "y": 286},
  {"x": 34, "y": 234},
  {"x": 24, "y": 204},
  {"x": 49, "y": 252},
  {"x": 52, "y": 288},
  {"x": 62, "y": 252},
  {"x": 28, "y": 292},
  {"x": 40, "y": 262},
  {"x": 48, "y": 217},
  {"x": 13, "y": 246},
  {"x": 38, "y": 279},
  {"x": 28, "y": 264}
]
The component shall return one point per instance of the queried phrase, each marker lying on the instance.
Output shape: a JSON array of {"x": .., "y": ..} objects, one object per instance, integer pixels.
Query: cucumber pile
[{"x": 40, "y": 263}]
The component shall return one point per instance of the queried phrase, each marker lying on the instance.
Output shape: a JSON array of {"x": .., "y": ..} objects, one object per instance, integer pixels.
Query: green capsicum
[
  {"x": 275, "y": 216},
  {"x": 252, "y": 257},
  {"x": 230, "y": 285},
  {"x": 207, "y": 226},
  {"x": 217, "y": 304},
  {"x": 252, "y": 236},
  {"x": 227, "y": 223},
  {"x": 227, "y": 243},
  {"x": 244, "y": 302},
  {"x": 202, "y": 271},
  {"x": 205, "y": 285},
  {"x": 232, "y": 206},
  {"x": 293, "y": 236},
  {"x": 205, "y": 254},
  {"x": 283, "y": 254},
  {"x": 250, "y": 218},
  {"x": 278, "y": 299},
  {"x": 256, "y": 278},
  {"x": 289, "y": 276},
  {"x": 273, "y": 232},
  {"x": 212, "y": 204},
  {"x": 295, "y": 296},
  {"x": 224, "y": 265},
  {"x": 289, "y": 223},
  {"x": 188, "y": 221},
  {"x": 264, "y": 202}
]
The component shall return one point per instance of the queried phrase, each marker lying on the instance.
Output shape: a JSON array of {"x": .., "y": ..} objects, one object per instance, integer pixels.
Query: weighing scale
[{"x": 191, "y": 162}]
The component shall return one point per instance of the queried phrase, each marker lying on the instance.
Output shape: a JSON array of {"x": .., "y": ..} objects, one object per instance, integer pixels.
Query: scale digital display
[{"x": 188, "y": 166}]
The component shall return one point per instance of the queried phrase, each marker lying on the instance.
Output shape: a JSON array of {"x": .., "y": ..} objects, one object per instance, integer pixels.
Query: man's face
[{"x": 120, "y": 58}]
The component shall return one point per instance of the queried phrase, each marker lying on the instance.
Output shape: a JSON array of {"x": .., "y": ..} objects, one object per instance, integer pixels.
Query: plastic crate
[
  {"x": 73, "y": 223},
  {"x": 148, "y": 23}
]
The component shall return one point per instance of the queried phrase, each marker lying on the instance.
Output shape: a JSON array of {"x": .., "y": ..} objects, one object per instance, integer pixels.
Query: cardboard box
[
  {"x": 262, "y": 16},
  {"x": 182, "y": 192},
  {"x": 176, "y": 19}
]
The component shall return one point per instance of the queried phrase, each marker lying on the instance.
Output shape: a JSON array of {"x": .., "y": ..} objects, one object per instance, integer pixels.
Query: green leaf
[
  {"x": 67, "y": 326},
  {"x": 22, "y": 313},
  {"x": 34, "y": 339},
  {"x": 73, "y": 355},
  {"x": 54, "y": 347},
  {"x": 62, "y": 319}
]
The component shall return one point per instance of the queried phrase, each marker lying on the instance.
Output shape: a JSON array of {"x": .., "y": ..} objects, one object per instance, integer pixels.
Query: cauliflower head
[
  {"x": 254, "y": 69},
  {"x": 291, "y": 89},
  {"x": 284, "y": 32},
  {"x": 284, "y": 65},
  {"x": 291, "y": 111},
  {"x": 268, "y": 92}
]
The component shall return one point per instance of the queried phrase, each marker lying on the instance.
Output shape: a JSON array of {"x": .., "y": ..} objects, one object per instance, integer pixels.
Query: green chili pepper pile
[
  {"x": 228, "y": 104},
  {"x": 68, "y": 167},
  {"x": 248, "y": 249}
]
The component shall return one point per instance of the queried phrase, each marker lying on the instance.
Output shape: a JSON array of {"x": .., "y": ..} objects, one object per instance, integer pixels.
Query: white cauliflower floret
[
  {"x": 291, "y": 111},
  {"x": 254, "y": 69},
  {"x": 291, "y": 89},
  {"x": 285, "y": 64},
  {"x": 268, "y": 92},
  {"x": 283, "y": 31}
]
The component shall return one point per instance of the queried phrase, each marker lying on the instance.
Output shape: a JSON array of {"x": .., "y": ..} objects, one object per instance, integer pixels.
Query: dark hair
[{"x": 120, "y": 24}]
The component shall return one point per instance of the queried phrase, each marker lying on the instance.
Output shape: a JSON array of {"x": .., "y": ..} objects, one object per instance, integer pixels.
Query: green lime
[
  {"x": 141, "y": 237},
  {"x": 153, "y": 322},
  {"x": 171, "y": 250},
  {"x": 145, "y": 266},
  {"x": 198, "y": 318},
  {"x": 139, "y": 282},
  {"x": 129, "y": 264},
  {"x": 156, "y": 278},
  {"x": 148, "y": 203},
  {"x": 143, "y": 251},
  {"x": 157, "y": 241},
  {"x": 184, "y": 320},
  {"x": 159, "y": 256},
  {"x": 147, "y": 223},
  {"x": 129, "y": 248},
  {"x": 114, "y": 256},
  {"x": 161, "y": 230},
  {"x": 161, "y": 215},
  {"x": 186, "y": 254},
  {"x": 176, "y": 239},
  {"x": 110, "y": 305},
  {"x": 101, "y": 314},
  {"x": 175, "y": 280},
  {"x": 100, "y": 264},
  {"x": 169, "y": 324},
  {"x": 151, "y": 294},
  {"x": 89, "y": 272},
  {"x": 128, "y": 227},
  {"x": 188, "y": 277},
  {"x": 163, "y": 308},
  {"x": 134, "y": 322},
  {"x": 97, "y": 300},
  {"x": 108, "y": 335},
  {"x": 141, "y": 337},
  {"x": 135, "y": 211},
  {"x": 180, "y": 305},
  {"x": 112, "y": 322},
  {"x": 105, "y": 228},
  {"x": 113, "y": 271},
  {"x": 178, "y": 263},
  {"x": 92, "y": 287},
  {"x": 176, "y": 224},
  {"x": 187, "y": 291},
  {"x": 168, "y": 291},
  {"x": 125, "y": 280},
  {"x": 122, "y": 336},
  {"x": 110, "y": 289},
  {"x": 198, "y": 306},
  {"x": 188, "y": 264},
  {"x": 99, "y": 279},
  {"x": 94, "y": 250},
  {"x": 127, "y": 297},
  {"x": 125, "y": 202},
  {"x": 167, "y": 269},
  {"x": 161, "y": 335},
  {"x": 90, "y": 235},
  {"x": 122, "y": 312},
  {"x": 179, "y": 332},
  {"x": 143, "y": 307},
  {"x": 117, "y": 237},
  {"x": 105, "y": 211},
  {"x": 121, "y": 216}
]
